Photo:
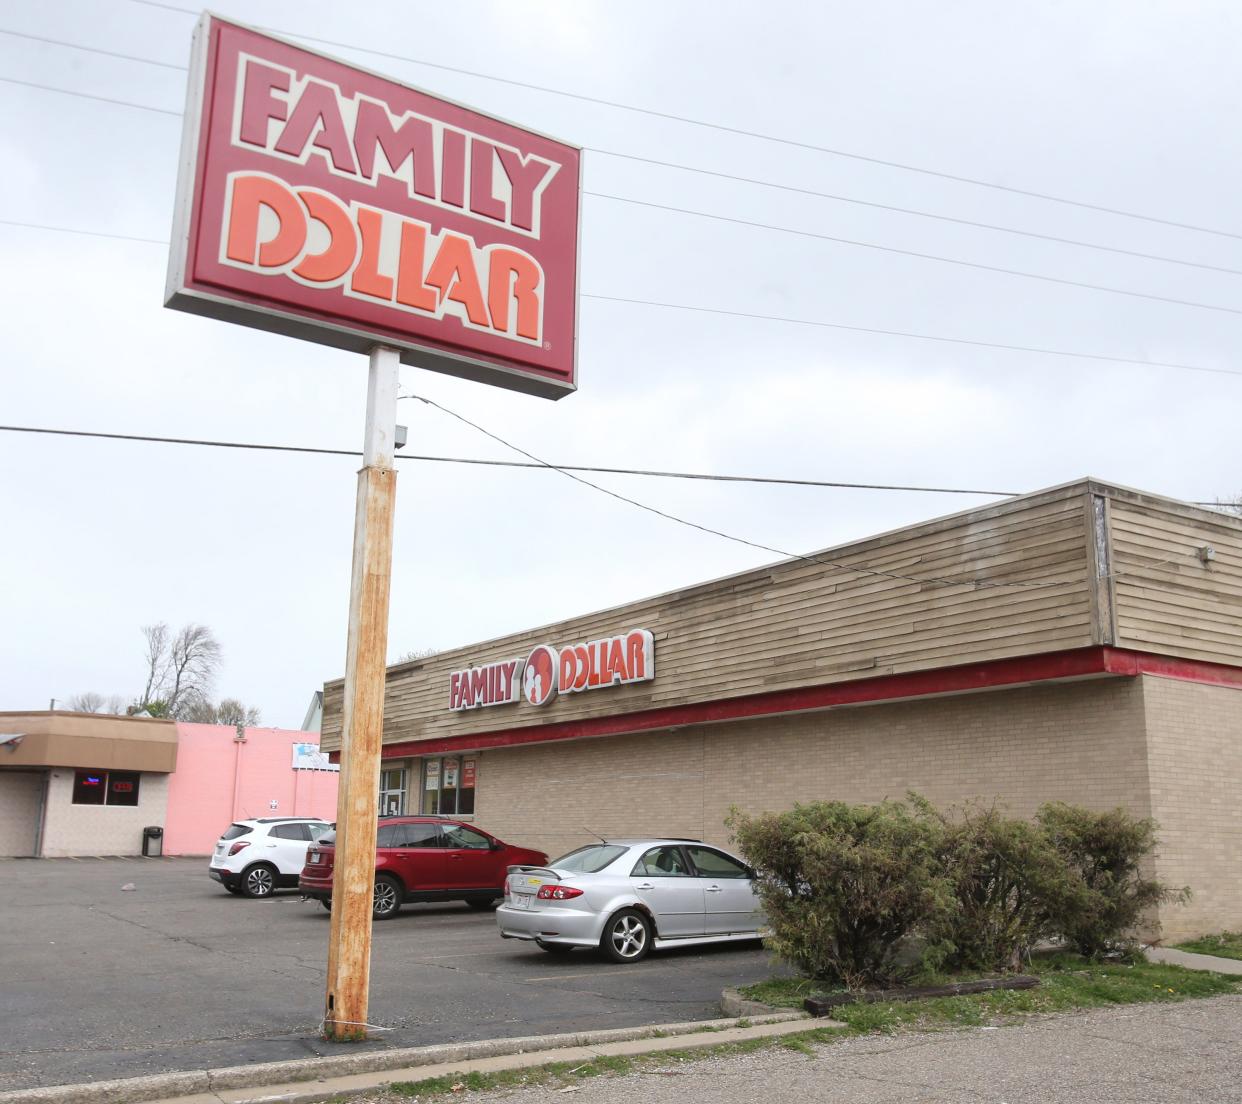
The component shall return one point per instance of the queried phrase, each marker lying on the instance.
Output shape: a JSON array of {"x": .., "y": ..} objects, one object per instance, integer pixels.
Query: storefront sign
[
  {"x": 547, "y": 671},
  {"x": 309, "y": 757},
  {"x": 322, "y": 201}
]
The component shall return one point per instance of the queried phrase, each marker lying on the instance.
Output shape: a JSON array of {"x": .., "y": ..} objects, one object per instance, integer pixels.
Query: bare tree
[
  {"x": 90, "y": 702},
  {"x": 228, "y": 712},
  {"x": 181, "y": 669},
  {"x": 115, "y": 705},
  {"x": 193, "y": 660},
  {"x": 417, "y": 653},
  {"x": 1230, "y": 505},
  {"x": 157, "y": 661}
]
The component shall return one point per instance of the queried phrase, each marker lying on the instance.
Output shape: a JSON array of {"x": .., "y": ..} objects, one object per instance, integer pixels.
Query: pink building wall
[{"x": 220, "y": 779}]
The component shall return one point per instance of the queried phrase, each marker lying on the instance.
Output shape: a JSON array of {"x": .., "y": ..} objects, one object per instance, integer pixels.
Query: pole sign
[
  {"x": 547, "y": 671},
  {"x": 322, "y": 201}
]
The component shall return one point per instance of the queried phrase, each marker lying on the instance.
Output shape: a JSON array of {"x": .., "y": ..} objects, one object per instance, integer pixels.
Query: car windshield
[
  {"x": 327, "y": 837},
  {"x": 235, "y": 830},
  {"x": 589, "y": 860}
]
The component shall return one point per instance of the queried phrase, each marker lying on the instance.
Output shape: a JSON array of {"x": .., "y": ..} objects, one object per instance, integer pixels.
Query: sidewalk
[{"x": 1192, "y": 961}]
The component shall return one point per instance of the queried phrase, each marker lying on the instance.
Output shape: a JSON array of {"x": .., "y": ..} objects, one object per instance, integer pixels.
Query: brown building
[{"x": 1082, "y": 643}]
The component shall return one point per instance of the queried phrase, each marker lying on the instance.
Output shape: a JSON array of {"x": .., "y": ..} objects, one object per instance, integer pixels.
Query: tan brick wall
[
  {"x": 1195, "y": 762},
  {"x": 1078, "y": 742}
]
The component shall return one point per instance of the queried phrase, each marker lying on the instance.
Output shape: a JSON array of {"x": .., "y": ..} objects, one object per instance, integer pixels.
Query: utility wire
[
  {"x": 756, "y": 181},
  {"x": 857, "y": 243},
  {"x": 915, "y": 253},
  {"x": 725, "y": 129},
  {"x": 977, "y": 584},
  {"x": 785, "y": 319},
  {"x": 568, "y": 470},
  {"x": 978, "y": 265},
  {"x": 541, "y": 465}
]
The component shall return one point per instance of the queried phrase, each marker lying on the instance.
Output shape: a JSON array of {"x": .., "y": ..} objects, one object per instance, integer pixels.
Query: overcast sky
[{"x": 1130, "y": 105}]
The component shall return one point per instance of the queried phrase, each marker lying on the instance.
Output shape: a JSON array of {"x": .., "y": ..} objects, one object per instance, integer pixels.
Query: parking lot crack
[{"x": 154, "y": 931}]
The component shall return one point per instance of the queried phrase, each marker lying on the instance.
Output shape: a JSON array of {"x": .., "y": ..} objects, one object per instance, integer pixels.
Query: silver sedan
[{"x": 627, "y": 896}]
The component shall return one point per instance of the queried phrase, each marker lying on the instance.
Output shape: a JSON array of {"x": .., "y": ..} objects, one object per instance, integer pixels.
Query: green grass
[
  {"x": 1067, "y": 983},
  {"x": 1224, "y": 945}
]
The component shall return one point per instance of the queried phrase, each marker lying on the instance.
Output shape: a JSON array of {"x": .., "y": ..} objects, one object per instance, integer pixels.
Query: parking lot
[{"x": 101, "y": 982}]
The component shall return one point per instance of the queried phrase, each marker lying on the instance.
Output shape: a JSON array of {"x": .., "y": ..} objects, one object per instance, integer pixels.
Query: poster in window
[
  {"x": 431, "y": 780},
  {"x": 467, "y": 774},
  {"x": 450, "y": 774}
]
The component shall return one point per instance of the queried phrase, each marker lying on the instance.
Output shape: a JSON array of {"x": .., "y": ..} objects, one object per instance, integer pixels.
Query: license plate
[
  {"x": 522, "y": 900},
  {"x": 312, "y": 856}
]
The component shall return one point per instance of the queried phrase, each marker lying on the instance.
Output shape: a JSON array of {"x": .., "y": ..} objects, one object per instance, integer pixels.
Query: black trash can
[{"x": 153, "y": 841}]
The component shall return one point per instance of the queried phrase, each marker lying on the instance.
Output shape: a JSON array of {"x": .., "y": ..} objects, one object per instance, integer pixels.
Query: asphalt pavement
[{"x": 100, "y": 982}]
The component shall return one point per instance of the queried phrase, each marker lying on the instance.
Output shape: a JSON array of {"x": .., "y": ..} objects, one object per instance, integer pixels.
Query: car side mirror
[{"x": 495, "y": 845}]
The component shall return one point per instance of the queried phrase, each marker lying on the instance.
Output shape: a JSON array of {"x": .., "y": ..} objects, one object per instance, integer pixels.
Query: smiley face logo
[{"x": 539, "y": 677}]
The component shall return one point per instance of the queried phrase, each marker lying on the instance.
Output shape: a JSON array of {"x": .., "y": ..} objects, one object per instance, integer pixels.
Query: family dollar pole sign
[{"x": 325, "y": 202}]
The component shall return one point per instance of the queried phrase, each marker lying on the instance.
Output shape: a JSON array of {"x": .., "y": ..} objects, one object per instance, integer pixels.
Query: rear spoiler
[{"x": 534, "y": 870}]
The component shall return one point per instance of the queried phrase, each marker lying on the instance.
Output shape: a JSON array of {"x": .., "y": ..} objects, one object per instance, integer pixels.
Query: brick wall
[
  {"x": 1195, "y": 761},
  {"x": 1079, "y": 742}
]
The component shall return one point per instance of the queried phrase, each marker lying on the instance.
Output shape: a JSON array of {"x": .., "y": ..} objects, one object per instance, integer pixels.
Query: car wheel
[
  {"x": 627, "y": 936},
  {"x": 259, "y": 880},
  {"x": 326, "y": 902},
  {"x": 482, "y": 902},
  {"x": 387, "y": 898},
  {"x": 554, "y": 948}
]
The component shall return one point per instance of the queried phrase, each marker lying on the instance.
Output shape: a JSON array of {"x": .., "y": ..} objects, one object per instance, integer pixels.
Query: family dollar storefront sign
[
  {"x": 325, "y": 202},
  {"x": 547, "y": 671},
  {"x": 321, "y": 201}
]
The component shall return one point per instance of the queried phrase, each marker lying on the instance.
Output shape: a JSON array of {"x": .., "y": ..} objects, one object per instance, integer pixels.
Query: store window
[
  {"x": 448, "y": 786},
  {"x": 105, "y": 787},
  {"x": 392, "y": 792}
]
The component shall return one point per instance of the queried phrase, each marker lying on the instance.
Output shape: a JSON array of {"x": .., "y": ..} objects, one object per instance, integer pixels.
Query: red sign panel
[{"x": 322, "y": 201}]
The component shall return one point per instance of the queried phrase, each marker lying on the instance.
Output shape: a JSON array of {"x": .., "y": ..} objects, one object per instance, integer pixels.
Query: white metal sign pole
[{"x": 362, "y": 714}]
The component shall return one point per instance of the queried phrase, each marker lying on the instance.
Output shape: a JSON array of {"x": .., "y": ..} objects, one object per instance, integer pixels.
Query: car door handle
[
  {"x": 713, "y": 889},
  {"x": 644, "y": 885}
]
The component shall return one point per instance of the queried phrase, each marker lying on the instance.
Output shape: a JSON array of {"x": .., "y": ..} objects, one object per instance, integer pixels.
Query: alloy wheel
[
  {"x": 259, "y": 882},
  {"x": 629, "y": 936}
]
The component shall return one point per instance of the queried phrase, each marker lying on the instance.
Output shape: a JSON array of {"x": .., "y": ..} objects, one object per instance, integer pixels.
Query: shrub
[
  {"x": 1008, "y": 883},
  {"x": 843, "y": 885},
  {"x": 1105, "y": 853}
]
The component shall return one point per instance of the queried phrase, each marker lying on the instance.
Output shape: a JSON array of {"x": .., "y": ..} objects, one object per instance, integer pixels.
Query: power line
[
  {"x": 755, "y": 316},
  {"x": 725, "y": 129},
  {"x": 995, "y": 227},
  {"x": 915, "y": 253},
  {"x": 91, "y": 49},
  {"x": 699, "y": 170},
  {"x": 895, "y": 250},
  {"x": 974, "y": 584},
  {"x": 541, "y": 465},
  {"x": 91, "y": 96}
]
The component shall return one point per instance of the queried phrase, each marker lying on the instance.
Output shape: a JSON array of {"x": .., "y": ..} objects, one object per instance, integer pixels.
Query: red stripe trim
[{"x": 1080, "y": 663}]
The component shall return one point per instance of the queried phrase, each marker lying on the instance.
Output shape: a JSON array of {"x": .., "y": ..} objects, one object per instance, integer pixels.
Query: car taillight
[
  {"x": 238, "y": 847},
  {"x": 508, "y": 891},
  {"x": 557, "y": 893}
]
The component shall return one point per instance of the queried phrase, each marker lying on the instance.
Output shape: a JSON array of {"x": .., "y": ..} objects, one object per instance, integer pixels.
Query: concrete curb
[
  {"x": 286, "y": 1082},
  {"x": 732, "y": 1003}
]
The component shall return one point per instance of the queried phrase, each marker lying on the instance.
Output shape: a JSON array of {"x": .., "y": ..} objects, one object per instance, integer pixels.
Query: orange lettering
[{"x": 250, "y": 193}]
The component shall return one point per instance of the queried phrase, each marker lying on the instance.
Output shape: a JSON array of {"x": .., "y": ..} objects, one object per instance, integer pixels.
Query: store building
[
  {"x": 1082, "y": 643},
  {"x": 87, "y": 784}
]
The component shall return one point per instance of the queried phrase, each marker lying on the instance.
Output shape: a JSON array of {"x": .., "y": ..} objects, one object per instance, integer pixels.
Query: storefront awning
[{"x": 88, "y": 740}]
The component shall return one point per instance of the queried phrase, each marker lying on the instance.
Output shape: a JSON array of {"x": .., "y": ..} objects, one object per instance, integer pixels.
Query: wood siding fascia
[{"x": 799, "y": 624}]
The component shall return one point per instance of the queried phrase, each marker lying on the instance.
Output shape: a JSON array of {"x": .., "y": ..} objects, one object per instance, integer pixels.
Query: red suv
[{"x": 423, "y": 858}]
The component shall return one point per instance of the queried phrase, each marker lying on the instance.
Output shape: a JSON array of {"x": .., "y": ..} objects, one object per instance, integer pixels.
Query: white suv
[{"x": 257, "y": 857}]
